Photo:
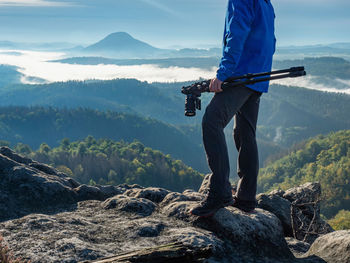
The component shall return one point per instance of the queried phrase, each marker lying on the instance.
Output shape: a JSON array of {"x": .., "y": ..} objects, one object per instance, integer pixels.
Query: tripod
[{"x": 194, "y": 91}]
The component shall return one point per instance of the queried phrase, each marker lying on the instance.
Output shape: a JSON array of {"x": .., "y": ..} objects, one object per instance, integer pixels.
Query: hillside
[
  {"x": 285, "y": 107},
  {"x": 334, "y": 67},
  {"x": 37, "y": 125},
  {"x": 325, "y": 159},
  {"x": 287, "y": 115},
  {"x": 291, "y": 114},
  {"x": 122, "y": 95},
  {"x": 104, "y": 161},
  {"x": 9, "y": 75}
]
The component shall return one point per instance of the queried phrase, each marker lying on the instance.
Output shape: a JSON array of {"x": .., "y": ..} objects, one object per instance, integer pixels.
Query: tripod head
[{"x": 194, "y": 91}]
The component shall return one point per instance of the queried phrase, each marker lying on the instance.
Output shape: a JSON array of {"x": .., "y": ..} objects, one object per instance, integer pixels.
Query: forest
[
  {"x": 326, "y": 159},
  {"x": 105, "y": 161},
  {"x": 37, "y": 125}
]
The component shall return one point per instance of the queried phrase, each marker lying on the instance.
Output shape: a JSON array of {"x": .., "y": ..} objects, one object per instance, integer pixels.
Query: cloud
[
  {"x": 311, "y": 82},
  {"x": 35, "y": 64},
  {"x": 33, "y": 3},
  {"x": 160, "y": 6}
]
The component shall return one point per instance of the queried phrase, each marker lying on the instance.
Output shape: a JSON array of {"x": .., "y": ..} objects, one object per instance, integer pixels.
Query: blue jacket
[{"x": 249, "y": 40}]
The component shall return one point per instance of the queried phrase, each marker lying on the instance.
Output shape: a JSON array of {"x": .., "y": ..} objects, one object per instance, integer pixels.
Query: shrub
[{"x": 341, "y": 221}]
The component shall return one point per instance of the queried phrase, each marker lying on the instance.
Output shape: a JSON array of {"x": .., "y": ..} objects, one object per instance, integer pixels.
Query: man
[{"x": 248, "y": 47}]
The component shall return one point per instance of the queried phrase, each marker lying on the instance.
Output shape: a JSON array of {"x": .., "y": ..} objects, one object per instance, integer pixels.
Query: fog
[
  {"x": 311, "y": 82},
  {"x": 36, "y": 65}
]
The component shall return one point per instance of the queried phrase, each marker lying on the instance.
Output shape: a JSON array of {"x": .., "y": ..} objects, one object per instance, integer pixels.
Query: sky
[{"x": 165, "y": 23}]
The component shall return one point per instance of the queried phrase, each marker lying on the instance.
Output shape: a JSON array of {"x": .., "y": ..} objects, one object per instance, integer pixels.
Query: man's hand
[{"x": 215, "y": 85}]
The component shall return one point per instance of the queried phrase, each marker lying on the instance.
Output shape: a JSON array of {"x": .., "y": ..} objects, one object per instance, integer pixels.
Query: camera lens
[{"x": 190, "y": 106}]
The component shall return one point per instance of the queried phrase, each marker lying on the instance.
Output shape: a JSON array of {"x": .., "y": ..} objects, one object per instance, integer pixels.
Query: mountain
[
  {"x": 325, "y": 158},
  {"x": 122, "y": 44}
]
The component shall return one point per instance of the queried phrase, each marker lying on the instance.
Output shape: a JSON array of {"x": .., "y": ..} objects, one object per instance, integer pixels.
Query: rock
[
  {"x": 305, "y": 200},
  {"x": 305, "y": 194},
  {"x": 193, "y": 195},
  {"x": 333, "y": 247},
  {"x": 278, "y": 192},
  {"x": 110, "y": 190},
  {"x": 259, "y": 233},
  {"x": 177, "y": 197},
  {"x": 150, "y": 230},
  {"x": 176, "y": 252},
  {"x": 205, "y": 185},
  {"x": 204, "y": 188},
  {"x": 140, "y": 206},
  {"x": 179, "y": 210},
  {"x": 151, "y": 193},
  {"x": 301, "y": 205},
  {"x": 27, "y": 187},
  {"x": 279, "y": 207},
  {"x": 98, "y": 192},
  {"x": 88, "y": 192},
  {"x": 296, "y": 246}
]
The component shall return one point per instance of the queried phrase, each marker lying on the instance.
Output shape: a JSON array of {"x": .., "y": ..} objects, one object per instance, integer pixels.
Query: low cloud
[
  {"x": 311, "y": 82},
  {"x": 35, "y": 65}
]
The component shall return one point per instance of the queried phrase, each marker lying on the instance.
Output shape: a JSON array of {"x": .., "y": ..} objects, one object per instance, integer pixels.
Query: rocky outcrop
[
  {"x": 332, "y": 247},
  {"x": 298, "y": 210},
  {"x": 29, "y": 187},
  {"x": 49, "y": 217}
]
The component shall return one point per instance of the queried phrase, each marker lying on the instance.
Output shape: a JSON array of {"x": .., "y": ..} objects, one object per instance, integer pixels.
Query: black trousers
[{"x": 241, "y": 103}]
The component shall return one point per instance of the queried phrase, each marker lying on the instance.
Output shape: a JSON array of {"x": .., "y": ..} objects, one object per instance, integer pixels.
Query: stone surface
[
  {"x": 27, "y": 187},
  {"x": 255, "y": 232},
  {"x": 333, "y": 247},
  {"x": 300, "y": 205},
  {"x": 304, "y": 194},
  {"x": 151, "y": 193},
  {"x": 278, "y": 206},
  {"x": 45, "y": 216},
  {"x": 177, "y": 197},
  {"x": 205, "y": 185},
  {"x": 297, "y": 247},
  {"x": 140, "y": 206}
]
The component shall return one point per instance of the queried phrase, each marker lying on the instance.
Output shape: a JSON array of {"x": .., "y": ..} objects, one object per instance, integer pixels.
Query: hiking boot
[
  {"x": 244, "y": 205},
  {"x": 208, "y": 207}
]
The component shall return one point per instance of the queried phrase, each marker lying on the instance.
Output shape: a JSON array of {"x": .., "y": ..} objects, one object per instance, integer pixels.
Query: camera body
[{"x": 193, "y": 93}]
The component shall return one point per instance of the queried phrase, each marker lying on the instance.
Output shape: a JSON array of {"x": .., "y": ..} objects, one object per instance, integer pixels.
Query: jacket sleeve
[{"x": 240, "y": 15}]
